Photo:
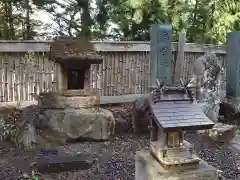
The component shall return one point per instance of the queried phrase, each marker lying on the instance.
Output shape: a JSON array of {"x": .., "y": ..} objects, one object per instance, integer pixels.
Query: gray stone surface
[
  {"x": 161, "y": 54},
  {"x": 61, "y": 125},
  {"x": 175, "y": 97},
  {"x": 119, "y": 99},
  {"x": 81, "y": 123},
  {"x": 221, "y": 133},
  {"x": 233, "y": 65},
  {"x": 147, "y": 168},
  {"x": 52, "y": 100}
]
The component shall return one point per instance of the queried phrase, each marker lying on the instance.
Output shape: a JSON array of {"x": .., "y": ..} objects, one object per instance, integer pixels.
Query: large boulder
[
  {"x": 54, "y": 127},
  {"x": 89, "y": 123}
]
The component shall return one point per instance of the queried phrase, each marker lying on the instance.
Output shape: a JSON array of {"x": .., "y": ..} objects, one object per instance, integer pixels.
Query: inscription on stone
[
  {"x": 160, "y": 54},
  {"x": 164, "y": 36},
  {"x": 164, "y": 72},
  {"x": 164, "y": 50}
]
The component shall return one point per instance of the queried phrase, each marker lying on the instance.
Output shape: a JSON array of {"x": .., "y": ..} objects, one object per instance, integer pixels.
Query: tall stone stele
[
  {"x": 160, "y": 55},
  {"x": 233, "y": 69}
]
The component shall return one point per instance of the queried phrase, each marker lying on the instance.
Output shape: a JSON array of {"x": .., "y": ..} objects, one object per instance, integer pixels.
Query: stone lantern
[{"x": 73, "y": 58}]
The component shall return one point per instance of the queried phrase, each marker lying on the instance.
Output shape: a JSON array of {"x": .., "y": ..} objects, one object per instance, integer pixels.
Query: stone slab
[
  {"x": 221, "y": 133},
  {"x": 130, "y": 98},
  {"x": 52, "y": 100},
  {"x": 147, "y": 168},
  {"x": 57, "y": 163}
]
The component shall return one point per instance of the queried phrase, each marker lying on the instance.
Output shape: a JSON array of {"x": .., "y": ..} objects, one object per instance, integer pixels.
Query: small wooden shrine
[
  {"x": 74, "y": 57},
  {"x": 174, "y": 112}
]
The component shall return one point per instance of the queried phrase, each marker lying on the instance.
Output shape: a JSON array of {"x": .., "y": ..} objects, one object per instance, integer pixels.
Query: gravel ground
[
  {"x": 221, "y": 158},
  {"x": 115, "y": 159}
]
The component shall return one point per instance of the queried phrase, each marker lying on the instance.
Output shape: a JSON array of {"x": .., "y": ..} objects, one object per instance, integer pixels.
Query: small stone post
[{"x": 179, "y": 67}]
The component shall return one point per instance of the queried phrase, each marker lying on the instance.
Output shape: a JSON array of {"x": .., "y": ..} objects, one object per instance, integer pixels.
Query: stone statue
[{"x": 207, "y": 74}]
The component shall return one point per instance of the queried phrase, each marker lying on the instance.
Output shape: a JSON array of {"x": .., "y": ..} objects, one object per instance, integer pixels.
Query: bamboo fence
[{"x": 125, "y": 69}]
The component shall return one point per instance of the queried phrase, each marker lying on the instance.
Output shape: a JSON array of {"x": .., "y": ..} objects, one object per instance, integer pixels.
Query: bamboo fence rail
[{"x": 125, "y": 69}]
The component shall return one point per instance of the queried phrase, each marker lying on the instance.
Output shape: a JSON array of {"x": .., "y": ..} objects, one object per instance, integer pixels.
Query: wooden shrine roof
[
  {"x": 175, "y": 111},
  {"x": 76, "y": 50}
]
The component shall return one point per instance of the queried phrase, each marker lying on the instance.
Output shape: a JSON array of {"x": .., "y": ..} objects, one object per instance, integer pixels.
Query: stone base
[
  {"x": 54, "y": 100},
  {"x": 221, "y": 133},
  {"x": 147, "y": 168}
]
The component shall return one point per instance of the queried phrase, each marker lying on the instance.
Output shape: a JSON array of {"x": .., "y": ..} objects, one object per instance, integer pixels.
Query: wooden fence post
[{"x": 179, "y": 68}]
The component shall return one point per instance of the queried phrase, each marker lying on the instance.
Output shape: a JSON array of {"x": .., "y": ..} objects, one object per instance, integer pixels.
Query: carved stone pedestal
[{"x": 148, "y": 168}]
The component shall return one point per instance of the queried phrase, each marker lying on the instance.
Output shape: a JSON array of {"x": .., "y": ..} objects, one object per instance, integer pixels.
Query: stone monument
[
  {"x": 233, "y": 70},
  {"x": 160, "y": 55}
]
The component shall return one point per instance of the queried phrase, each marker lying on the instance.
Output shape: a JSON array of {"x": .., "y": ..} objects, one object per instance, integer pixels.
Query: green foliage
[
  {"x": 238, "y": 131},
  {"x": 32, "y": 176},
  {"x": 205, "y": 21},
  {"x": 7, "y": 131}
]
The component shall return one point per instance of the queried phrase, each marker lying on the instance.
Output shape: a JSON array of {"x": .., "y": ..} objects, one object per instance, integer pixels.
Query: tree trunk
[
  {"x": 10, "y": 21},
  {"x": 191, "y": 37},
  {"x": 6, "y": 28},
  {"x": 170, "y": 8},
  {"x": 211, "y": 24},
  {"x": 85, "y": 18},
  {"x": 28, "y": 25}
]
